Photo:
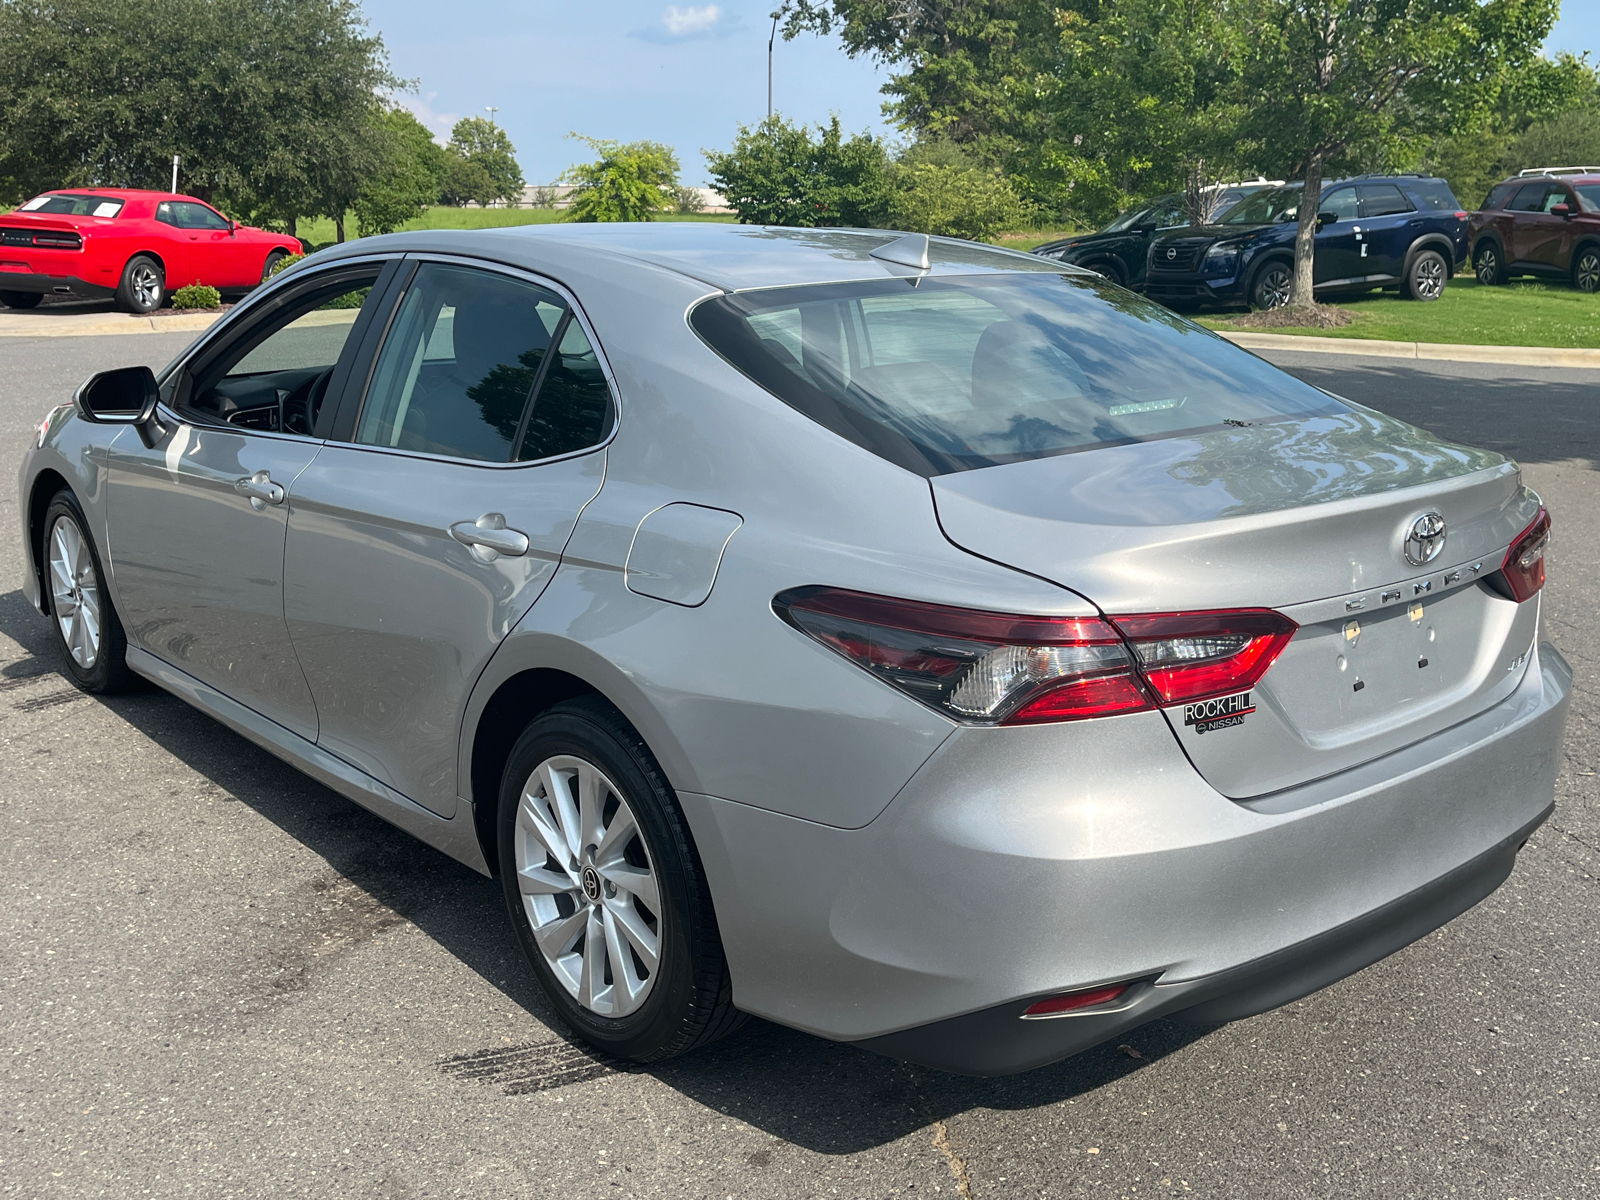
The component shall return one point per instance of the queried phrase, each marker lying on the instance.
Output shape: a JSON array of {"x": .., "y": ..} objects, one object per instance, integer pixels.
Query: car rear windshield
[
  {"x": 961, "y": 372},
  {"x": 62, "y": 204},
  {"x": 1266, "y": 207},
  {"x": 1433, "y": 195}
]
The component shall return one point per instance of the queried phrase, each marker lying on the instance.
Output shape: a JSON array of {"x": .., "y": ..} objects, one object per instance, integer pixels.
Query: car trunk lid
[{"x": 1307, "y": 516}]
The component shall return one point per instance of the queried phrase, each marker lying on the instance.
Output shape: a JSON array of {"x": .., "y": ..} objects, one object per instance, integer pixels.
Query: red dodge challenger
[{"x": 133, "y": 245}]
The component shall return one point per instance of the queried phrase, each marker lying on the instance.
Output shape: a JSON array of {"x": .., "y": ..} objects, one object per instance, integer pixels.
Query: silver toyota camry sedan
[{"x": 919, "y": 644}]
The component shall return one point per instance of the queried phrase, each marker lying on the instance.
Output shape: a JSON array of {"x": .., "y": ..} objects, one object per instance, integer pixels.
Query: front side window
[
  {"x": 1266, "y": 207},
  {"x": 957, "y": 373},
  {"x": 197, "y": 216},
  {"x": 60, "y": 204},
  {"x": 1341, "y": 202},
  {"x": 1558, "y": 195},
  {"x": 1589, "y": 196},
  {"x": 1382, "y": 200},
  {"x": 1134, "y": 216},
  {"x": 463, "y": 356}
]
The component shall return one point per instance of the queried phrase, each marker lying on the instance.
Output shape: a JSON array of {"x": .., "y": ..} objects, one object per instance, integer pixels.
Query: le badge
[{"x": 1221, "y": 713}]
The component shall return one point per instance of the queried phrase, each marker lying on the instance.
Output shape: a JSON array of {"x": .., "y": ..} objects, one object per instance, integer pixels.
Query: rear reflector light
[
  {"x": 1073, "y": 1001},
  {"x": 1004, "y": 669},
  {"x": 1187, "y": 657},
  {"x": 1523, "y": 567},
  {"x": 989, "y": 668}
]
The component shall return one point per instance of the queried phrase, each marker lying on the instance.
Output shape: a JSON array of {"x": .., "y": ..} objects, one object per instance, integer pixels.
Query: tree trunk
[
  {"x": 1305, "y": 238},
  {"x": 338, "y": 227}
]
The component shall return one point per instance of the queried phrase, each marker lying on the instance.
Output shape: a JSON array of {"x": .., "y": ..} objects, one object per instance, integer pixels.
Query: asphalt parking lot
[{"x": 224, "y": 980}]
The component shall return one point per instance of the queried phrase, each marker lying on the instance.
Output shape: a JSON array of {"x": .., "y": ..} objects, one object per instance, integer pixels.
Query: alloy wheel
[
  {"x": 74, "y": 592},
  {"x": 1274, "y": 287},
  {"x": 145, "y": 284},
  {"x": 1427, "y": 277},
  {"x": 1587, "y": 273},
  {"x": 589, "y": 889},
  {"x": 1488, "y": 267}
]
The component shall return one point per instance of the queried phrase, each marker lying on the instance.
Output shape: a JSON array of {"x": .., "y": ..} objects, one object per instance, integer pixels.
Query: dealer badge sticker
[{"x": 1221, "y": 713}]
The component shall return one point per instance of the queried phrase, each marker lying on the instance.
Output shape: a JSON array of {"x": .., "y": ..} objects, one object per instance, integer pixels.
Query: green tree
[
  {"x": 409, "y": 177},
  {"x": 952, "y": 200},
  {"x": 779, "y": 174},
  {"x": 485, "y": 144},
  {"x": 465, "y": 181},
  {"x": 270, "y": 103},
  {"x": 628, "y": 182}
]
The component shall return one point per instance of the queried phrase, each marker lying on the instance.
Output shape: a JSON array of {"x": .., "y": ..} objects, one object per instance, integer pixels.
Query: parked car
[
  {"x": 130, "y": 245},
  {"x": 1121, "y": 250},
  {"x": 1545, "y": 223},
  {"x": 921, "y": 644},
  {"x": 1405, "y": 232}
]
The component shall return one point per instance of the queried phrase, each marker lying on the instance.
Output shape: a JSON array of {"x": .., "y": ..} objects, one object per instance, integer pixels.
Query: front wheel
[
  {"x": 81, "y": 614},
  {"x": 1273, "y": 286},
  {"x": 1586, "y": 270},
  {"x": 605, "y": 888},
  {"x": 1426, "y": 278},
  {"x": 1491, "y": 271},
  {"x": 21, "y": 299},
  {"x": 270, "y": 267},
  {"x": 143, "y": 285}
]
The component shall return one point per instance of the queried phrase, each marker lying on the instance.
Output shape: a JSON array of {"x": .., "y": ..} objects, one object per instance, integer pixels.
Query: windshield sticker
[
  {"x": 36, "y": 202},
  {"x": 1221, "y": 713},
  {"x": 1144, "y": 406},
  {"x": 109, "y": 209}
]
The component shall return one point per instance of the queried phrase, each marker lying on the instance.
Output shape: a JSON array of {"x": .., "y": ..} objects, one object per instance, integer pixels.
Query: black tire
[
  {"x": 21, "y": 299},
  {"x": 107, "y": 671},
  {"x": 1488, "y": 265},
  {"x": 1111, "y": 269},
  {"x": 690, "y": 1001},
  {"x": 1272, "y": 285},
  {"x": 273, "y": 259},
  {"x": 1586, "y": 269},
  {"x": 143, "y": 286},
  {"x": 1426, "y": 277}
]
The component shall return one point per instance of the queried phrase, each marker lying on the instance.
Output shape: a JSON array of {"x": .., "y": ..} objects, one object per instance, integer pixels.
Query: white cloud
[
  {"x": 684, "y": 22},
  {"x": 441, "y": 123}
]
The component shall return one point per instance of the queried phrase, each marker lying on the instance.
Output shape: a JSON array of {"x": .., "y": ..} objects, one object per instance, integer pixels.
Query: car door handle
[
  {"x": 489, "y": 538},
  {"x": 260, "y": 489}
]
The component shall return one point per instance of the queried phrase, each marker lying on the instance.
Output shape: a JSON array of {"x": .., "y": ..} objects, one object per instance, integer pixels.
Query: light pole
[
  {"x": 175, "y": 161},
  {"x": 772, "y": 37},
  {"x": 491, "y": 109}
]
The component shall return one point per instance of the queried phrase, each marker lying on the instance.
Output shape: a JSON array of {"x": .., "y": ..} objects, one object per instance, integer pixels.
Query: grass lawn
[
  {"x": 1523, "y": 313},
  {"x": 320, "y": 231}
]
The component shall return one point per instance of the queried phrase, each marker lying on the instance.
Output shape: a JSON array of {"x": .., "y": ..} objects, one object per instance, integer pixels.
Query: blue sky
[{"x": 686, "y": 74}]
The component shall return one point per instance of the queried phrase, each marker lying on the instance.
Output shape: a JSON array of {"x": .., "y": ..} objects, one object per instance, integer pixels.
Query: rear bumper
[
  {"x": 51, "y": 285},
  {"x": 1023, "y": 862}
]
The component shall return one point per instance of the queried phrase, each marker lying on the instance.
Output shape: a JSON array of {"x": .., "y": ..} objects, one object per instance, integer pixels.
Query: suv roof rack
[{"x": 1559, "y": 171}]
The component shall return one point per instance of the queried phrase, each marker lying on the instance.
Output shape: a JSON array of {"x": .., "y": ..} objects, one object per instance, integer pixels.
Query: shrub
[
  {"x": 629, "y": 182},
  {"x": 954, "y": 201},
  {"x": 543, "y": 196},
  {"x": 690, "y": 200},
  {"x": 778, "y": 174},
  {"x": 283, "y": 264},
  {"x": 197, "y": 296}
]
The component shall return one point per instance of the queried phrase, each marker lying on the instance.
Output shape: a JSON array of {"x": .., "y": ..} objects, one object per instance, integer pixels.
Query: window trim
[{"x": 357, "y": 401}]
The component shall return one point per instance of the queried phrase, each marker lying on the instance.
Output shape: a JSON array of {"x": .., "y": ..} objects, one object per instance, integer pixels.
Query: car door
[
  {"x": 1526, "y": 211},
  {"x": 1388, "y": 225},
  {"x": 1550, "y": 239},
  {"x": 172, "y": 245},
  {"x": 197, "y": 512},
  {"x": 1338, "y": 242},
  {"x": 217, "y": 257},
  {"x": 438, "y": 513}
]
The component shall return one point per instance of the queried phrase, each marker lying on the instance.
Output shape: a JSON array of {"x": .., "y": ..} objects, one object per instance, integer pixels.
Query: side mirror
[
  {"x": 1149, "y": 227},
  {"x": 125, "y": 396},
  {"x": 1326, "y": 218},
  {"x": 1561, "y": 210}
]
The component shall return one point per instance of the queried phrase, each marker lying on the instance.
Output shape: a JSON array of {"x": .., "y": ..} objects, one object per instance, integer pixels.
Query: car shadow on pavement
[{"x": 821, "y": 1095}]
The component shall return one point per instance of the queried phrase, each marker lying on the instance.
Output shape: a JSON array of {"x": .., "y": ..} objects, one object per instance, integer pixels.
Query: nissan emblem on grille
[
  {"x": 1172, "y": 252},
  {"x": 1425, "y": 540}
]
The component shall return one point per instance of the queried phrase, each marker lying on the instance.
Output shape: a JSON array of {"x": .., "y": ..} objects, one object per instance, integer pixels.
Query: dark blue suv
[{"x": 1374, "y": 231}]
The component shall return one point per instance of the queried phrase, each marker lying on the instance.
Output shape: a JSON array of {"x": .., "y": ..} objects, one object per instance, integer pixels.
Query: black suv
[
  {"x": 1373, "y": 231},
  {"x": 1121, "y": 250}
]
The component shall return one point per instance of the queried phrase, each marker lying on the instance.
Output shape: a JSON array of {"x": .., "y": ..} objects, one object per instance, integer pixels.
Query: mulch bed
[{"x": 1316, "y": 316}]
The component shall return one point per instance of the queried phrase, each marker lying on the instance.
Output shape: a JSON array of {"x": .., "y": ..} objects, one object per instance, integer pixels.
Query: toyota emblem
[
  {"x": 1425, "y": 539},
  {"x": 1172, "y": 252}
]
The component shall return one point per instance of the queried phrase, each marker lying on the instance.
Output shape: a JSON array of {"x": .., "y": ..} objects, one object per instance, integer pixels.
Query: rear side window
[
  {"x": 463, "y": 359},
  {"x": 1530, "y": 198},
  {"x": 1498, "y": 195},
  {"x": 951, "y": 374},
  {"x": 1434, "y": 195},
  {"x": 573, "y": 407},
  {"x": 1382, "y": 200}
]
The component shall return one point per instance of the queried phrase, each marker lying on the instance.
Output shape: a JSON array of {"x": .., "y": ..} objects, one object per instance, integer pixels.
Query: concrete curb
[
  {"x": 35, "y": 324},
  {"x": 1516, "y": 356}
]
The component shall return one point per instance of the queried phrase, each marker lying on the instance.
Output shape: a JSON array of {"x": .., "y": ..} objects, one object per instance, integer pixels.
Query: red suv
[
  {"x": 1545, "y": 222},
  {"x": 132, "y": 245}
]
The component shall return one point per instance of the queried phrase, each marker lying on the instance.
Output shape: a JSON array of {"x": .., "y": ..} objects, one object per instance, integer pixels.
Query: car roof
[
  {"x": 726, "y": 256},
  {"x": 120, "y": 193}
]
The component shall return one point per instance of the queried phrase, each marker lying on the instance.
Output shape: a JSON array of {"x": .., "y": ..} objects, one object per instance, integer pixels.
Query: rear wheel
[
  {"x": 21, "y": 299},
  {"x": 1273, "y": 284},
  {"x": 1586, "y": 269},
  {"x": 1487, "y": 263},
  {"x": 81, "y": 614},
  {"x": 605, "y": 889},
  {"x": 1426, "y": 278},
  {"x": 143, "y": 285}
]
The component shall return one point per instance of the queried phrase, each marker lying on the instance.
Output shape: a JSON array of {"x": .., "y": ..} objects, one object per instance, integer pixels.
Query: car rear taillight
[
  {"x": 1187, "y": 657},
  {"x": 987, "y": 668},
  {"x": 1461, "y": 216},
  {"x": 1069, "y": 1002},
  {"x": 1005, "y": 669},
  {"x": 1523, "y": 567}
]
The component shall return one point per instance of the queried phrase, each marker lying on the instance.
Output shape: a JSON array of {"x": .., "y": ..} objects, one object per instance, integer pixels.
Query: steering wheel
[{"x": 297, "y": 412}]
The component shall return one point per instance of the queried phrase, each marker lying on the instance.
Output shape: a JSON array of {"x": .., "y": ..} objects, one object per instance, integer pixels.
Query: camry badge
[
  {"x": 1425, "y": 540},
  {"x": 1172, "y": 252}
]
